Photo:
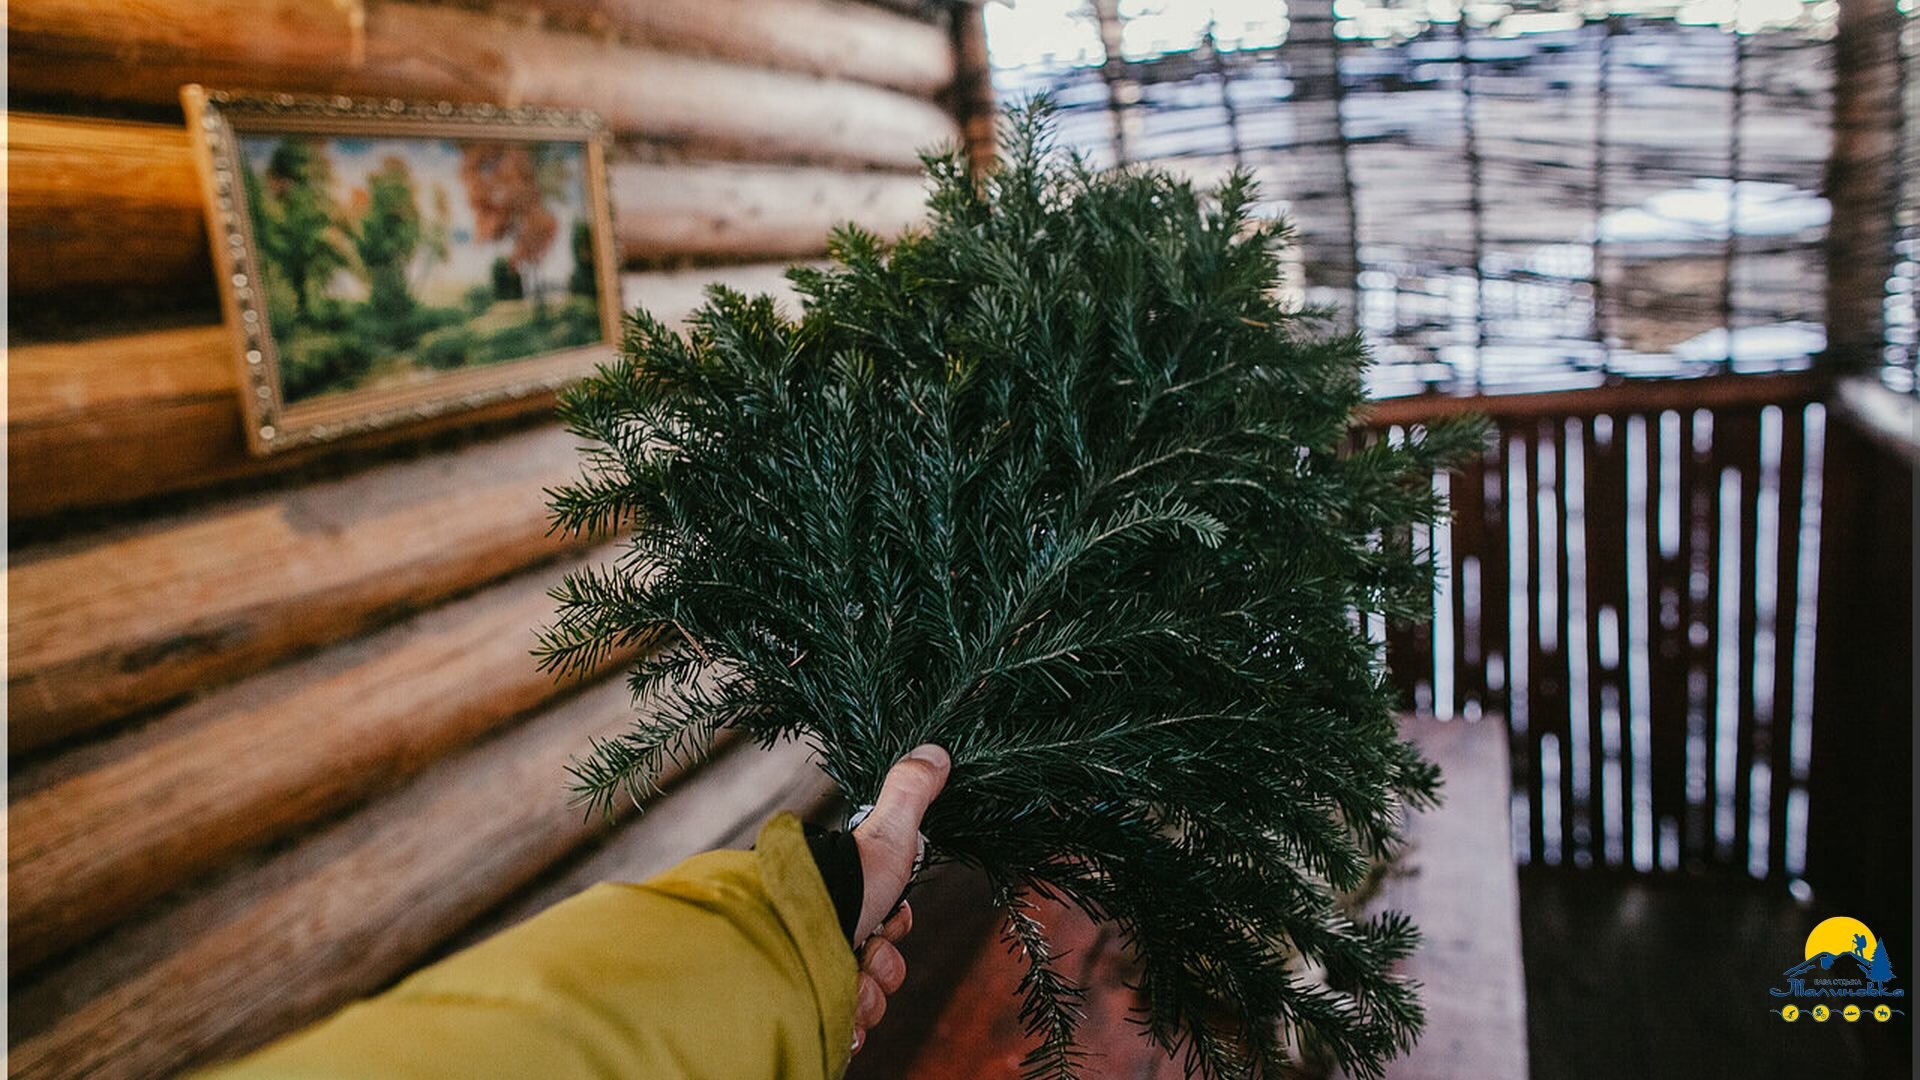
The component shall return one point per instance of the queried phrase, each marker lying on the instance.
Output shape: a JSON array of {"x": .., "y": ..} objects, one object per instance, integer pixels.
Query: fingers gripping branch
[{"x": 889, "y": 836}]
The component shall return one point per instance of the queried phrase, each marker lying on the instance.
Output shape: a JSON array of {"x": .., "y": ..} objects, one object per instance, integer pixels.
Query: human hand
[{"x": 889, "y": 843}]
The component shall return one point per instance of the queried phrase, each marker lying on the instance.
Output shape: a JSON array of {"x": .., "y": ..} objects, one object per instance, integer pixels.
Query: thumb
[{"x": 889, "y": 838}]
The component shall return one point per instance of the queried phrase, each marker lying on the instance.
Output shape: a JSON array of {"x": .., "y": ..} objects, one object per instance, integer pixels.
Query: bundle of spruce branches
[{"x": 1058, "y": 484}]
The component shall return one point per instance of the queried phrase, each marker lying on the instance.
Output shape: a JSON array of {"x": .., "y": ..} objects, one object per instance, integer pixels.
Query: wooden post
[
  {"x": 1122, "y": 92},
  {"x": 972, "y": 95},
  {"x": 1324, "y": 196},
  {"x": 1861, "y": 180}
]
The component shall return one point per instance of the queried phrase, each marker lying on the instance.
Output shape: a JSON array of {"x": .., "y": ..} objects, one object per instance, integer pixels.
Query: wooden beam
[
  {"x": 111, "y": 419},
  {"x": 104, "y": 203},
  {"x": 342, "y": 914},
  {"x": 1632, "y": 395},
  {"x": 97, "y": 834},
  {"x": 831, "y": 38},
  {"x": 714, "y": 108},
  {"x": 116, "y": 622}
]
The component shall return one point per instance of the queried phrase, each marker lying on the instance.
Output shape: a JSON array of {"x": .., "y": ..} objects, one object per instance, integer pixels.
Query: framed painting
[{"x": 382, "y": 263}]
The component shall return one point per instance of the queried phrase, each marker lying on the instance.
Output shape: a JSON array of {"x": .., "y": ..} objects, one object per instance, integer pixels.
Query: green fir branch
[{"x": 1057, "y": 482}]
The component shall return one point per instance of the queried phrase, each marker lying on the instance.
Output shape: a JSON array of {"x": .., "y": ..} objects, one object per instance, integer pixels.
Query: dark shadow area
[
  {"x": 953, "y": 919},
  {"x": 1656, "y": 977}
]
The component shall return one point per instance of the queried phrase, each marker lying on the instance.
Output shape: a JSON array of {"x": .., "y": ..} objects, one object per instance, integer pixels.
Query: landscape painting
[
  {"x": 388, "y": 260},
  {"x": 406, "y": 272}
]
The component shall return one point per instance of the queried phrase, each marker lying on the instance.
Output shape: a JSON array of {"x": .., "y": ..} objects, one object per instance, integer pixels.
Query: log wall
[{"x": 277, "y": 737}]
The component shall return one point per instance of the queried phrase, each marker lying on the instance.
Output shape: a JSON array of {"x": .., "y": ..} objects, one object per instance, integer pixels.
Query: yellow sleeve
[{"x": 730, "y": 966}]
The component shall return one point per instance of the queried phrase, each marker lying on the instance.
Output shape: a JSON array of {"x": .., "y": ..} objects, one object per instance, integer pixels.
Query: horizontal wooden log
[
  {"x": 926, "y": 10},
  {"x": 99, "y": 833},
  {"x": 111, "y": 419},
  {"x": 340, "y": 915},
  {"x": 856, "y": 41},
  {"x": 115, "y": 622},
  {"x": 267, "y": 33},
  {"x": 749, "y": 211},
  {"x": 673, "y": 296},
  {"x": 101, "y": 203},
  {"x": 738, "y": 789},
  {"x": 834, "y": 38},
  {"x": 712, "y": 108}
]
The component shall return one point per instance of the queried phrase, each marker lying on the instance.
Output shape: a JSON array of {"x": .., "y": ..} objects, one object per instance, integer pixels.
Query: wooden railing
[{"x": 1631, "y": 583}]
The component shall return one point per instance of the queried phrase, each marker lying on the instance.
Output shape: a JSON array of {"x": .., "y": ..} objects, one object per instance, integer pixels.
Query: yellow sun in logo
[{"x": 1836, "y": 936}]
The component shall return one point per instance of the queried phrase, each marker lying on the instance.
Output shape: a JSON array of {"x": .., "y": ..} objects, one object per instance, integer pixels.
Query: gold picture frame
[{"x": 392, "y": 358}]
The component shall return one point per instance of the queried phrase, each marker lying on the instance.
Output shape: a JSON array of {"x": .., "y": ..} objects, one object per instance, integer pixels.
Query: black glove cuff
[{"x": 838, "y": 859}]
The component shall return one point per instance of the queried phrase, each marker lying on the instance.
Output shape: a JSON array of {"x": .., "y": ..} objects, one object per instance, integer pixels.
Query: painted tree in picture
[
  {"x": 294, "y": 212},
  {"x": 386, "y": 231},
  {"x": 509, "y": 186}
]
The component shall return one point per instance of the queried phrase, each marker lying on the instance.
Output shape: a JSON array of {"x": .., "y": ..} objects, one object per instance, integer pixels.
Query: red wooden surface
[{"x": 978, "y": 1036}]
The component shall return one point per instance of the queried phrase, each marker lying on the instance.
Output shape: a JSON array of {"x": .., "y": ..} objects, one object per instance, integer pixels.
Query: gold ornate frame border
[{"x": 216, "y": 117}]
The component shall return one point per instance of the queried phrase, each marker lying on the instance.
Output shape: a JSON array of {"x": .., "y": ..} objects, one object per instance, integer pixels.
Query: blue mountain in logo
[{"x": 1841, "y": 965}]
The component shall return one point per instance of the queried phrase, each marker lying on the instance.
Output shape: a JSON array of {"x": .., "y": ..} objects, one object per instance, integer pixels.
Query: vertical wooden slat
[
  {"x": 1578, "y": 641},
  {"x": 1636, "y": 632},
  {"x": 1607, "y": 602},
  {"x": 1743, "y": 447},
  {"x": 1522, "y": 602},
  {"x": 1444, "y": 632},
  {"x": 1793, "y": 448},
  {"x": 1547, "y": 670},
  {"x": 1470, "y": 593},
  {"x": 1668, "y": 650},
  {"x": 1700, "y": 482},
  {"x": 1495, "y": 578}
]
